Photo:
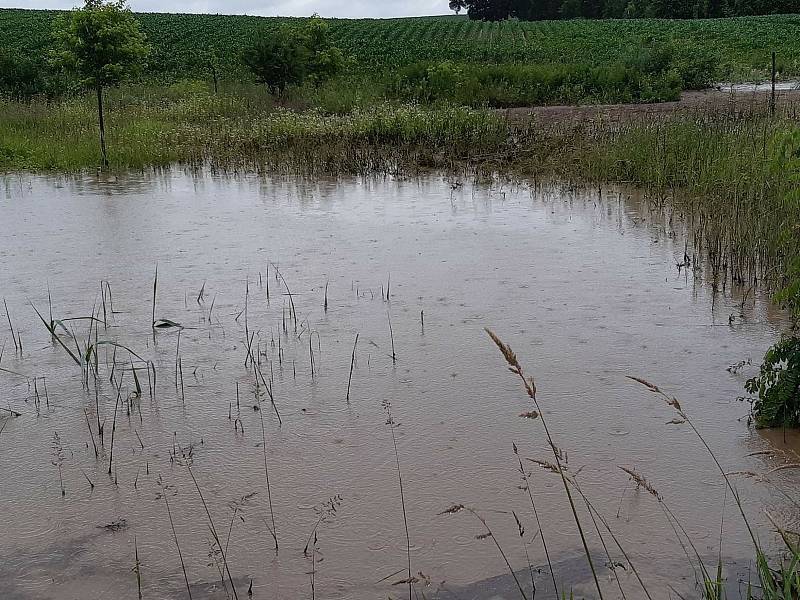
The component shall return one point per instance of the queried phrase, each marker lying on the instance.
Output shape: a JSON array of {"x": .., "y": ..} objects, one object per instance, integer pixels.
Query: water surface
[{"x": 584, "y": 287}]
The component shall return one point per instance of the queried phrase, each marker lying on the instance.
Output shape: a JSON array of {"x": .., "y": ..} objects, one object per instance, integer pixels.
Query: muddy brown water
[{"x": 583, "y": 287}]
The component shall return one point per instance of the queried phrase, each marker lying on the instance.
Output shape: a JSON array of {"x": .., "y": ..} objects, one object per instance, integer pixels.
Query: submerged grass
[{"x": 779, "y": 578}]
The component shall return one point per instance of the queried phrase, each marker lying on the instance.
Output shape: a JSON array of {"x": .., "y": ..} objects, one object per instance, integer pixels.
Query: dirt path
[{"x": 787, "y": 102}]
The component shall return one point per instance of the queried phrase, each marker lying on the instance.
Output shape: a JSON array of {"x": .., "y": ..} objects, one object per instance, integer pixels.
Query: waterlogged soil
[
  {"x": 733, "y": 99},
  {"x": 583, "y": 286},
  {"x": 764, "y": 86}
]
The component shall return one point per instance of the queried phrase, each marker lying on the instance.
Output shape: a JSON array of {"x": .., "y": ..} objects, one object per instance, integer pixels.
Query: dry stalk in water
[
  {"x": 211, "y": 527},
  {"x": 390, "y": 422},
  {"x": 490, "y": 534},
  {"x": 273, "y": 531},
  {"x": 526, "y": 479},
  {"x": 352, "y": 362},
  {"x": 530, "y": 389},
  {"x": 175, "y": 536}
]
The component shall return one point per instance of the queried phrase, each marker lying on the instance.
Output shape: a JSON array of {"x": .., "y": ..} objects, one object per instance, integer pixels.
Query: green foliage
[
  {"x": 537, "y": 10},
  {"x": 381, "y": 45},
  {"x": 293, "y": 53},
  {"x": 19, "y": 75},
  {"x": 786, "y": 164},
  {"x": 527, "y": 85},
  {"x": 781, "y": 581},
  {"x": 777, "y": 386},
  {"x": 100, "y": 43},
  {"x": 325, "y": 60},
  {"x": 160, "y": 127},
  {"x": 277, "y": 60}
]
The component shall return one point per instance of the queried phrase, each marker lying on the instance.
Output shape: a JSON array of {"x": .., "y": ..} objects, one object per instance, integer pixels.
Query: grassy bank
[
  {"x": 724, "y": 168},
  {"x": 237, "y": 131},
  {"x": 182, "y": 42}
]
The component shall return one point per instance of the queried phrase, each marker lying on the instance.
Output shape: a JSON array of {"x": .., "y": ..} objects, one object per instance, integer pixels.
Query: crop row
[{"x": 741, "y": 44}]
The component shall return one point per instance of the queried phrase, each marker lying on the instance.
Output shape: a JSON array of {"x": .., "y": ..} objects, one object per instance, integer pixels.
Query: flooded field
[
  {"x": 764, "y": 86},
  {"x": 308, "y": 312}
]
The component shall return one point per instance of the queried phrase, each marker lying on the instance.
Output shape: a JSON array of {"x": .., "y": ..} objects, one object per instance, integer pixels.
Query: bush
[
  {"x": 697, "y": 70},
  {"x": 325, "y": 60},
  {"x": 511, "y": 85},
  {"x": 777, "y": 386},
  {"x": 188, "y": 87},
  {"x": 277, "y": 60},
  {"x": 294, "y": 53},
  {"x": 19, "y": 76}
]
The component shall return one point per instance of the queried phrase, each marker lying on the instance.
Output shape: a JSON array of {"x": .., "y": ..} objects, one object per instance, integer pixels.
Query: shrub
[
  {"x": 510, "y": 85},
  {"x": 290, "y": 55},
  {"x": 777, "y": 386},
  {"x": 277, "y": 60},
  {"x": 324, "y": 59},
  {"x": 19, "y": 76}
]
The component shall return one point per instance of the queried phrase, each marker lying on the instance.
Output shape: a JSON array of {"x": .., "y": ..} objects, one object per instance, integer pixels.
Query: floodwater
[
  {"x": 763, "y": 86},
  {"x": 584, "y": 287}
]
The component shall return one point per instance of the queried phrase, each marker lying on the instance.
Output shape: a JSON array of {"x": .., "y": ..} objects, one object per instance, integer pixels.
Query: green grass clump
[
  {"x": 510, "y": 85},
  {"x": 148, "y": 129}
]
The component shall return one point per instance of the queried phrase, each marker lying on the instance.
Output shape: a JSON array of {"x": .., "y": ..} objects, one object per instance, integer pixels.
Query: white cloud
[{"x": 326, "y": 8}]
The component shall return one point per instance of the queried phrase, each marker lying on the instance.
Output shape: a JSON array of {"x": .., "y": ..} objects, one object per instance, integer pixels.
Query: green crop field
[{"x": 742, "y": 45}]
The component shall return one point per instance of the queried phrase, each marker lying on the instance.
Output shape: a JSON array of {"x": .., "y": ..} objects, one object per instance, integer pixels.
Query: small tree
[
  {"x": 277, "y": 60},
  {"x": 291, "y": 54},
  {"x": 208, "y": 61},
  {"x": 102, "y": 45},
  {"x": 324, "y": 59}
]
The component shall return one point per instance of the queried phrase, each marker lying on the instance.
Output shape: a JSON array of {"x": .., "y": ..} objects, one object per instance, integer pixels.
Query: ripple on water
[{"x": 579, "y": 302}]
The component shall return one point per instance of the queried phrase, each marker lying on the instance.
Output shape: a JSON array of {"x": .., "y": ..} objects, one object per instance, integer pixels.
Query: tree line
[{"x": 539, "y": 10}]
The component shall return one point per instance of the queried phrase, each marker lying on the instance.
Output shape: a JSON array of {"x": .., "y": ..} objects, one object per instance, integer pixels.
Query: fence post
[{"x": 772, "y": 93}]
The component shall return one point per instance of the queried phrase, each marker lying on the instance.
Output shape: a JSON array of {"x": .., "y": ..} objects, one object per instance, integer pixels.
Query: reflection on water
[{"x": 583, "y": 287}]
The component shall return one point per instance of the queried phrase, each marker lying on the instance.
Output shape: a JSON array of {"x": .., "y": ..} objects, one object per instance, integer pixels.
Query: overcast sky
[{"x": 302, "y": 8}]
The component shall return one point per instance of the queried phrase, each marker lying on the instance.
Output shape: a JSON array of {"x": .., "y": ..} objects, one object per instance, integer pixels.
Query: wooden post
[
  {"x": 772, "y": 93},
  {"x": 102, "y": 126}
]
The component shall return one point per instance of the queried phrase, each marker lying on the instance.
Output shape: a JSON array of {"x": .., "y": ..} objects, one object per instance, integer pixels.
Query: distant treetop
[{"x": 538, "y": 10}]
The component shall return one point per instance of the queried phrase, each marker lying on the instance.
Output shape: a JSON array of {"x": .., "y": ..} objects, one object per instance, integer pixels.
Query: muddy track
[{"x": 694, "y": 102}]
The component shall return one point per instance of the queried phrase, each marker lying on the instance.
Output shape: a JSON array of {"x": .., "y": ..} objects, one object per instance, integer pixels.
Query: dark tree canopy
[
  {"x": 19, "y": 75},
  {"x": 536, "y": 10},
  {"x": 100, "y": 43},
  {"x": 292, "y": 54},
  {"x": 277, "y": 60}
]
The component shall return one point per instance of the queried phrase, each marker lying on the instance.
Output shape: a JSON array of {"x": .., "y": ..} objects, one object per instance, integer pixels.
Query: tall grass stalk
[
  {"x": 273, "y": 530},
  {"x": 490, "y": 533},
  {"x": 391, "y": 423},
  {"x": 528, "y": 489},
  {"x": 211, "y": 527},
  {"x": 765, "y": 572},
  {"x": 530, "y": 390},
  {"x": 164, "y": 494}
]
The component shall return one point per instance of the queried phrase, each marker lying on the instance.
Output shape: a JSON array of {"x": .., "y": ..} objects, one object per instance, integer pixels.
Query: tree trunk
[
  {"x": 102, "y": 125},
  {"x": 214, "y": 75}
]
